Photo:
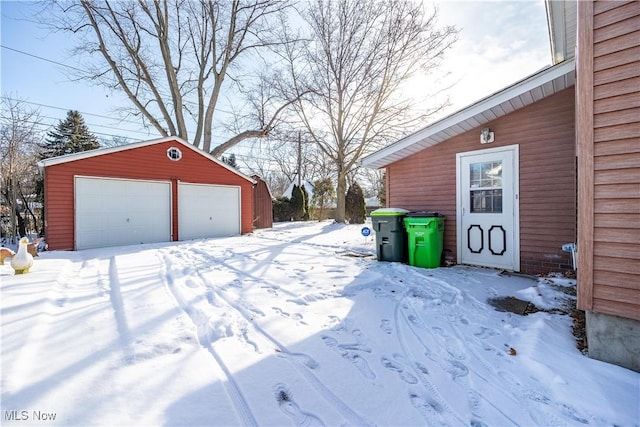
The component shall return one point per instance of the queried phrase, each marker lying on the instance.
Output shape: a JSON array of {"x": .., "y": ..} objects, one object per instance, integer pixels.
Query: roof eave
[
  {"x": 471, "y": 116},
  {"x": 42, "y": 164}
]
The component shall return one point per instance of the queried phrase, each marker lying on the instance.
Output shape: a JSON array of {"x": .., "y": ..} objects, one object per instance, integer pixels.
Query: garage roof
[
  {"x": 103, "y": 151},
  {"x": 532, "y": 89}
]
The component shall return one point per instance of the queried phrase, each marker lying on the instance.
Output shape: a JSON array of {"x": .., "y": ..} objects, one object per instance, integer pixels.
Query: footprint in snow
[
  {"x": 485, "y": 333},
  {"x": 385, "y": 325},
  {"x": 298, "y": 318},
  {"x": 280, "y": 312},
  {"x": 405, "y": 376},
  {"x": 426, "y": 406},
  {"x": 348, "y": 353},
  {"x": 289, "y": 407}
]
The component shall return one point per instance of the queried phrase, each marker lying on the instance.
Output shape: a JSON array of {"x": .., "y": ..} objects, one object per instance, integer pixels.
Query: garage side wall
[
  {"x": 144, "y": 163},
  {"x": 544, "y": 132}
]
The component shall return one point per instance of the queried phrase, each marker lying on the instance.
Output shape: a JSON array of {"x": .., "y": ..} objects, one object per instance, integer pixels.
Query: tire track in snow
[
  {"x": 460, "y": 373},
  {"x": 537, "y": 405},
  {"x": 430, "y": 407},
  {"x": 301, "y": 362},
  {"x": 200, "y": 321}
]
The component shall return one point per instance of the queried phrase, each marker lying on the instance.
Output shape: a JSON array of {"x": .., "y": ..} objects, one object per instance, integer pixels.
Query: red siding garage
[{"x": 147, "y": 192}]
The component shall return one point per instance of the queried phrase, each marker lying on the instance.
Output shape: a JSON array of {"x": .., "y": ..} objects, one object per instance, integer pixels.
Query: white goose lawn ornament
[{"x": 23, "y": 260}]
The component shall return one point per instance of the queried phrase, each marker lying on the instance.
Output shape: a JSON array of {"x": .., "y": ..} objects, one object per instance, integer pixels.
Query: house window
[
  {"x": 486, "y": 187},
  {"x": 174, "y": 154}
]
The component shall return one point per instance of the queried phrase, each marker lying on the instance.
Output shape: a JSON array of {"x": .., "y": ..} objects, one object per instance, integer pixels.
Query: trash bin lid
[
  {"x": 424, "y": 215},
  {"x": 389, "y": 212}
]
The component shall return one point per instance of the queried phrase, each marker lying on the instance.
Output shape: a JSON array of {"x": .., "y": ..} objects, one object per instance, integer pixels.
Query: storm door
[{"x": 487, "y": 208}]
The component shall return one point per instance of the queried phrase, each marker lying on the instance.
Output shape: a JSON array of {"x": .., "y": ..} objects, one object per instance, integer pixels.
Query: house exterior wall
[
  {"x": 609, "y": 157},
  {"x": 608, "y": 137},
  {"x": 544, "y": 132},
  {"x": 262, "y": 205},
  {"x": 145, "y": 163}
]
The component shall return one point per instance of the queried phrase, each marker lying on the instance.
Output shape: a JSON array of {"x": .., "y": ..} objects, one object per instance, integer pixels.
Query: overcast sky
[{"x": 499, "y": 43}]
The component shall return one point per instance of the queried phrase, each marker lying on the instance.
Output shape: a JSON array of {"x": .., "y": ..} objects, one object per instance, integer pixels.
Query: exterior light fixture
[{"x": 486, "y": 136}]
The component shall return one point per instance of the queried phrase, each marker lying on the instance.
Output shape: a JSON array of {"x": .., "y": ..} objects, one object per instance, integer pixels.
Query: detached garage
[{"x": 147, "y": 192}]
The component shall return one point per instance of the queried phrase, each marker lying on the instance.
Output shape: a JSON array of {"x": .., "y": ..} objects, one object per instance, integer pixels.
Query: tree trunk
[
  {"x": 341, "y": 191},
  {"x": 22, "y": 227}
]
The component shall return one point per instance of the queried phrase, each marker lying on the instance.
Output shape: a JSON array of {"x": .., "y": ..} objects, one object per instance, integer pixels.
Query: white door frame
[{"x": 516, "y": 199}]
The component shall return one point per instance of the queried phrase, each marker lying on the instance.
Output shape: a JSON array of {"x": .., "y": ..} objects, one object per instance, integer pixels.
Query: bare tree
[
  {"x": 19, "y": 148},
  {"x": 361, "y": 54},
  {"x": 174, "y": 58}
]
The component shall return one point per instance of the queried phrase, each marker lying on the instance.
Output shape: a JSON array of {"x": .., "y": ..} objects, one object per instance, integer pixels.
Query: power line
[
  {"x": 83, "y": 71},
  {"x": 68, "y": 109},
  {"x": 89, "y": 114},
  {"x": 40, "y": 57}
]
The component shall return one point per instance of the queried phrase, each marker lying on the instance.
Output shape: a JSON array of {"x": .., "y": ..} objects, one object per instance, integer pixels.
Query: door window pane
[
  {"x": 485, "y": 187},
  {"x": 486, "y": 175},
  {"x": 486, "y": 201}
]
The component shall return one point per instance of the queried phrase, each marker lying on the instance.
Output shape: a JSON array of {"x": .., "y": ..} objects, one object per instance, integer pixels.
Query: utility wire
[
  {"x": 83, "y": 71},
  {"x": 40, "y": 57}
]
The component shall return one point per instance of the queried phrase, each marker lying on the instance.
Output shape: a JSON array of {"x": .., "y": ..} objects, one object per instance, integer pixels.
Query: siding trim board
[{"x": 584, "y": 138}]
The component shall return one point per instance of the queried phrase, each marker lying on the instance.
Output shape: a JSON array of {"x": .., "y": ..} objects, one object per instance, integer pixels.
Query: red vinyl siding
[
  {"x": 608, "y": 121},
  {"x": 145, "y": 163},
  {"x": 544, "y": 132},
  {"x": 262, "y": 205}
]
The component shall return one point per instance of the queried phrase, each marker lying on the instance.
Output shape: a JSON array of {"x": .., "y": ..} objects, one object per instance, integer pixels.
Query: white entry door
[
  {"x": 487, "y": 208},
  {"x": 117, "y": 212},
  {"x": 208, "y": 211}
]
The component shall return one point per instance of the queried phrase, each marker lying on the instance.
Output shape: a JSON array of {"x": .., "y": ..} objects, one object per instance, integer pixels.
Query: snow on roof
[{"x": 307, "y": 186}]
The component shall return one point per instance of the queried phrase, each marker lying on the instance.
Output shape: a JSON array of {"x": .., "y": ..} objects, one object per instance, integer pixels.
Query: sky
[{"x": 500, "y": 42}]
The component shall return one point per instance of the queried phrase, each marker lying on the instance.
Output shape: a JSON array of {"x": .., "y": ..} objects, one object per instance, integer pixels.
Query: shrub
[
  {"x": 355, "y": 211},
  {"x": 282, "y": 209}
]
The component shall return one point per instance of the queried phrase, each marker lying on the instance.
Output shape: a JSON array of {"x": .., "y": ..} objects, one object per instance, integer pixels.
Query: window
[
  {"x": 486, "y": 187},
  {"x": 174, "y": 154}
]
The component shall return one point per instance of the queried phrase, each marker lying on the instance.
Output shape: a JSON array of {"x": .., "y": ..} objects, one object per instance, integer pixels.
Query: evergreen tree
[
  {"x": 70, "y": 136},
  {"x": 323, "y": 194},
  {"x": 355, "y": 211},
  {"x": 382, "y": 190},
  {"x": 230, "y": 160},
  {"x": 305, "y": 204},
  {"x": 281, "y": 209},
  {"x": 297, "y": 203}
]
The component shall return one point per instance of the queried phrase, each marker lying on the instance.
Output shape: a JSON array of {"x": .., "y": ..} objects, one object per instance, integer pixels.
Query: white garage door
[
  {"x": 116, "y": 212},
  {"x": 208, "y": 211}
]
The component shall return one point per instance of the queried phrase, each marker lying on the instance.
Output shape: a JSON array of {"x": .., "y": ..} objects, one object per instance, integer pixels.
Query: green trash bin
[
  {"x": 425, "y": 232},
  {"x": 391, "y": 237}
]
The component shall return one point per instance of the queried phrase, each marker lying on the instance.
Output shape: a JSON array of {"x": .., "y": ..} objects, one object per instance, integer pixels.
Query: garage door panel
[
  {"x": 114, "y": 212},
  {"x": 208, "y": 211}
]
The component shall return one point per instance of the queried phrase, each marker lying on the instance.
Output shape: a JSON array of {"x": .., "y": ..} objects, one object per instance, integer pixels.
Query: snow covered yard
[{"x": 288, "y": 327}]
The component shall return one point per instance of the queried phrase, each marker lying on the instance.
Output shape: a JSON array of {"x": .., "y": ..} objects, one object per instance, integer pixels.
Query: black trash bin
[{"x": 391, "y": 238}]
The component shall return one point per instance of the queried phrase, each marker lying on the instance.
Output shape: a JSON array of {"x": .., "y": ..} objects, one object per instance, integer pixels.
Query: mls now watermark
[{"x": 29, "y": 416}]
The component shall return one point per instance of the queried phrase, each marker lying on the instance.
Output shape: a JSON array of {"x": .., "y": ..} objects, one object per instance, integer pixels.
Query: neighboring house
[
  {"x": 262, "y": 204},
  {"x": 306, "y": 184},
  {"x": 151, "y": 191},
  {"x": 505, "y": 171}
]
